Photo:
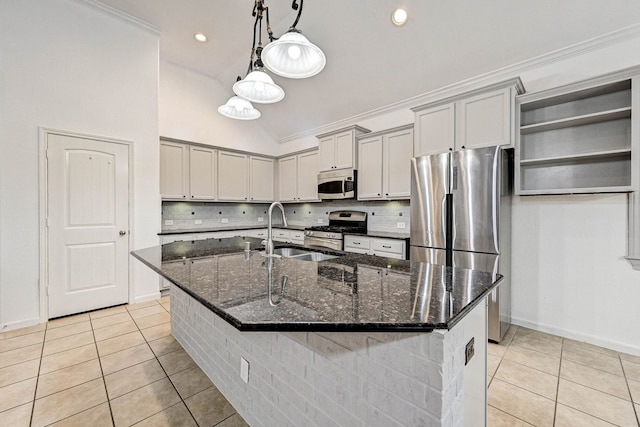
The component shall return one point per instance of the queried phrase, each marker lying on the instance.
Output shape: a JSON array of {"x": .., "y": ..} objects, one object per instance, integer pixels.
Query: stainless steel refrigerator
[{"x": 461, "y": 216}]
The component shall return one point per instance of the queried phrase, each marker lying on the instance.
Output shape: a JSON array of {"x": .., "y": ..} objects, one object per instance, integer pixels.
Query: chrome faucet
[{"x": 269, "y": 242}]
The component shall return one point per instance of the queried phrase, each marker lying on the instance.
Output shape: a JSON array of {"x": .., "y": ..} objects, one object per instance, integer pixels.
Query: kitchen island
[{"x": 351, "y": 340}]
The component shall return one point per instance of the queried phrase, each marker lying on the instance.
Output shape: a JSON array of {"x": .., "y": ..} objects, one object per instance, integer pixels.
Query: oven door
[{"x": 335, "y": 244}]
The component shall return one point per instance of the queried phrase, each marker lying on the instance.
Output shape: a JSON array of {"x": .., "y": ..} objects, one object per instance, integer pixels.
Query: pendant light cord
[{"x": 294, "y": 6}]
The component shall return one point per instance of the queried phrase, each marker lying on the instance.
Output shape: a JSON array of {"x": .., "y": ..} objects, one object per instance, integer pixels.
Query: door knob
[{"x": 122, "y": 232}]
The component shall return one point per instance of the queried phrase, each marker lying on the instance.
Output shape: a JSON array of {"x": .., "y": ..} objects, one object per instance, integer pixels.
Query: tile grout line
[
  {"x": 626, "y": 380},
  {"x": 555, "y": 403},
  {"x": 35, "y": 390},
  {"x": 104, "y": 382}
]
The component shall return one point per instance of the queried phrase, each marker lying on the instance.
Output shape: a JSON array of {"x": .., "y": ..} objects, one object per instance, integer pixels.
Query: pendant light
[
  {"x": 238, "y": 108},
  {"x": 293, "y": 55},
  {"x": 257, "y": 86}
]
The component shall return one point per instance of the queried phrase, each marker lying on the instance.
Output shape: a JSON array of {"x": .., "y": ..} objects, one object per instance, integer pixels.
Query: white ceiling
[{"x": 371, "y": 63}]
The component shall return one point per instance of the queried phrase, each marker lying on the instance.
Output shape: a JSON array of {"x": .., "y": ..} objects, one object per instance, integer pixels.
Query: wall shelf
[{"x": 602, "y": 116}]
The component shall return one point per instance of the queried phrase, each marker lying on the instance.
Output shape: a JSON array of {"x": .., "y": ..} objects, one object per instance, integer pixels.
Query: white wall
[
  {"x": 67, "y": 66},
  {"x": 188, "y": 109}
]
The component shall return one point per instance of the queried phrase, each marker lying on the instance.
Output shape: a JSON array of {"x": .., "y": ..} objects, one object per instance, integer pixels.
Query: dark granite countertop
[{"x": 351, "y": 292}]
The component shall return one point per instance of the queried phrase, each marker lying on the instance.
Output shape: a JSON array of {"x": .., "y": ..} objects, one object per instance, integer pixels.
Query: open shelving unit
[{"x": 575, "y": 139}]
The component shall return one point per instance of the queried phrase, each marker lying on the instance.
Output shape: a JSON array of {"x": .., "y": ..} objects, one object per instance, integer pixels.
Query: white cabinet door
[
  {"x": 370, "y": 168},
  {"x": 484, "y": 120},
  {"x": 202, "y": 173},
  {"x": 435, "y": 130},
  {"x": 174, "y": 166},
  {"x": 398, "y": 151},
  {"x": 233, "y": 176},
  {"x": 308, "y": 176},
  {"x": 327, "y": 151},
  {"x": 261, "y": 176},
  {"x": 288, "y": 179},
  {"x": 344, "y": 143}
]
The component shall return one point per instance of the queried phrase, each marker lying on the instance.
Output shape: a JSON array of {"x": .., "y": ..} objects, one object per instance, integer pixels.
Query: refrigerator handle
[{"x": 448, "y": 214}]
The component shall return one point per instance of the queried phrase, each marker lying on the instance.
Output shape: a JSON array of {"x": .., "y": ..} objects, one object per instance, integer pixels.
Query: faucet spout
[{"x": 269, "y": 241}]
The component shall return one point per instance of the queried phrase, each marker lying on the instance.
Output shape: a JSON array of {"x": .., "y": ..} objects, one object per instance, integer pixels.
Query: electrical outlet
[
  {"x": 468, "y": 351},
  {"x": 198, "y": 221},
  {"x": 260, "y": 219},
  {"x": 401, "y": 225},
  {"x": 168, "y": 222},
  {"x": 224, "y": 220},
  {"x": 244, "y": 370},
  {"x": 320, "y": 220}
]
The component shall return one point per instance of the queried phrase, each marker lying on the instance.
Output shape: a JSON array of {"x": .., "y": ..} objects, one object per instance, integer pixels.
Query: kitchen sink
[
  {"x": 302, "y": 255},
  {"x": 290, "y": 252}
]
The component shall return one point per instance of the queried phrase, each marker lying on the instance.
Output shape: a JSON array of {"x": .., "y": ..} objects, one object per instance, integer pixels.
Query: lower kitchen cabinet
[{"x": 388, "y": 248}]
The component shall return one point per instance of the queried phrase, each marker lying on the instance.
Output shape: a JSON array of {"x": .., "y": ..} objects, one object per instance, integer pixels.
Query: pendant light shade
[
  {"x": 238, "y": 108},
  {"x": 258, "y": 87},
  {"x": 293, "y": 56}
]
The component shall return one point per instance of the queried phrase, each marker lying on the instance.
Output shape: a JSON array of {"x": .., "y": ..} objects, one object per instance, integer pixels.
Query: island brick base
[{"x": 328, "y": 378}]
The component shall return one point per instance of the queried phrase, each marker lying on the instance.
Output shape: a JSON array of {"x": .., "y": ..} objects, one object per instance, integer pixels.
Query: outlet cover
[
  {"x": 198, "y": 221},
  {"x": 168, "y": 222},
  {"x": 260, "y": 219},
  {"x": 244, "y": 370},
  {"x": 224, "y": 220},
  {"x": 468, "y": 351},
  {"x": 401, "y": 225}
]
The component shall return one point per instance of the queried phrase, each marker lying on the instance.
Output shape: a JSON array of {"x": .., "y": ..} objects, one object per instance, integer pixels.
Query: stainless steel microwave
[{"x": 339, "y": 184}]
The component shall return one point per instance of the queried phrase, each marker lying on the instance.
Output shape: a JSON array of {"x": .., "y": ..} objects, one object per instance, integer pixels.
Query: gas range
[{"x": 340, "y": 222}]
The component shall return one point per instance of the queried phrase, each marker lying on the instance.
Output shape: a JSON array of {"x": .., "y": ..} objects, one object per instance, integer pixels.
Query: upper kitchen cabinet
[
  {"x": 337, "y": 149},
  {"x": 187, "y": 172},
  {"x": 242, "y": 177},
  {"x": 579, "y": 138},
  {"x": 298, "y": 177},
  {"x": 481, "y": 118},
  {"x": 261, "y": 179},
  {"x": 384, "y": 169},
  {"x": 233, "y": 176},
  {"x": 174, "y": 170},
  {"x": 203, "y": 173}
]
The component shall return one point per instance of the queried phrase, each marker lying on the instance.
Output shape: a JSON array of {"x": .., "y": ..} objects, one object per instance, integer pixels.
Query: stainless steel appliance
[
  {"x": 461, "y": 216},
  {"x": 330, "y": 236},
  {"x": 338, "y": 184}
]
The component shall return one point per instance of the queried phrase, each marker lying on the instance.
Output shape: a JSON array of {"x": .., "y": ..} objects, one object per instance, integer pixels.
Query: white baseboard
[
  {"x": 147, "y": 297},
  {"x": 599, "y": 341},
  {"x": 6, "y": 327}
]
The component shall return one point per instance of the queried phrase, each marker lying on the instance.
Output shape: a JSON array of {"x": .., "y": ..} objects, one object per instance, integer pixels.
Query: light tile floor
[
  {"x": 538, "y": 379},
  {"x": 119, "y": 366}
]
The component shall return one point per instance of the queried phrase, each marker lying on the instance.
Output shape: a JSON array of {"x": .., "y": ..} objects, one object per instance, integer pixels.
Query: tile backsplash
[{"x": 382, "y": 215}]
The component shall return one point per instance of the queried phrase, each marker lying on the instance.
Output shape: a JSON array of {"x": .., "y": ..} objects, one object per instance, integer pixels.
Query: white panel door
[
  {"x": 88, "y": 217},
  {"x": 370, "y": 168}
]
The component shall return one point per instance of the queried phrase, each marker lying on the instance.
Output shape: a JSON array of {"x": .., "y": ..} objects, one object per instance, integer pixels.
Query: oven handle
[{"x": 335, "y": 244}]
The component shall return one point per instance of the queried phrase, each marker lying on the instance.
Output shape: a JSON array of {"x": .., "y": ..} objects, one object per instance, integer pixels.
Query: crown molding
[
  {"x": 481, "y": 80},
  {"x": 113, "y": 12}
]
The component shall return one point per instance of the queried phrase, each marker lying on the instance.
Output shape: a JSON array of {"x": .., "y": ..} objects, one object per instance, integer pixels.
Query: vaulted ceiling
[{"x": 370, "y": 62}]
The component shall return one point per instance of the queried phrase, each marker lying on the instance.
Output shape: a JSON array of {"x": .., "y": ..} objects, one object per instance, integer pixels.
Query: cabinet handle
[
  {"x": 385, "y": 246},
  {"x": 386, "y": 194},
  {"x": 378, "y": 194},
  {"x": 462, "y": 147},
  {"x": 356, "y": 243}
]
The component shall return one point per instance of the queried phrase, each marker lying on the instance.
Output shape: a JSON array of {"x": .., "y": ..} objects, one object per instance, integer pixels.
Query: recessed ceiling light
[
  {"x": 200, "y": 37},
  {"x": 399, "y": 17}
]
